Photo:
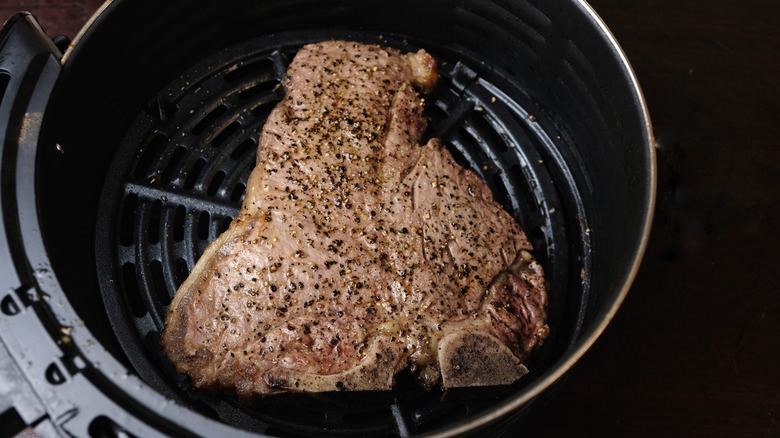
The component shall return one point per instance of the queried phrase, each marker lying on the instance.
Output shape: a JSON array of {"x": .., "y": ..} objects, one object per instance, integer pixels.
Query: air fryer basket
[{"x": 156, "y": 117}]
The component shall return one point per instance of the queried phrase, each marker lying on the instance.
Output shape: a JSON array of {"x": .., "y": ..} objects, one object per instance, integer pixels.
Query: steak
[{"x": 358, "y": 251}]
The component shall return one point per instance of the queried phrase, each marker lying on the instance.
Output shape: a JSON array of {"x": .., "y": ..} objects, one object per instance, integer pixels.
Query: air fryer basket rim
[{"x": 588, "y": 338}]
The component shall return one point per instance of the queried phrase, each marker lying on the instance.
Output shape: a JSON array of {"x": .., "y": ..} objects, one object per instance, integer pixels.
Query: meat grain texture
[{"x": 358, "y": 250}]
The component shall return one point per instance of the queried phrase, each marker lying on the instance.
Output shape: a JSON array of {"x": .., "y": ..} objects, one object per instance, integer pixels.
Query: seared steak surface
[{"x": 358, "y": 251}]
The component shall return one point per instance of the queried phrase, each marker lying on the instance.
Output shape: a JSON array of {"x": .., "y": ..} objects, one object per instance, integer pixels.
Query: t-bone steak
[{"x": 358, "y": 251}]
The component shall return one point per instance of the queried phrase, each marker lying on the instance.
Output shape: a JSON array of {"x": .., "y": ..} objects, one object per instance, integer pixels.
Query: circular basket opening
[{"x": 158, "y": 111}]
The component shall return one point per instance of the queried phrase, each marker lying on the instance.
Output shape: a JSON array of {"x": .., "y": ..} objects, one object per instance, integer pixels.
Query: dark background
[{"x": 695, "y": 349}]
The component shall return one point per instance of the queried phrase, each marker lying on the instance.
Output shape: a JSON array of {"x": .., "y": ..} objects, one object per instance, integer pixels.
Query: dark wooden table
[{"x": 695, "y": 349}]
